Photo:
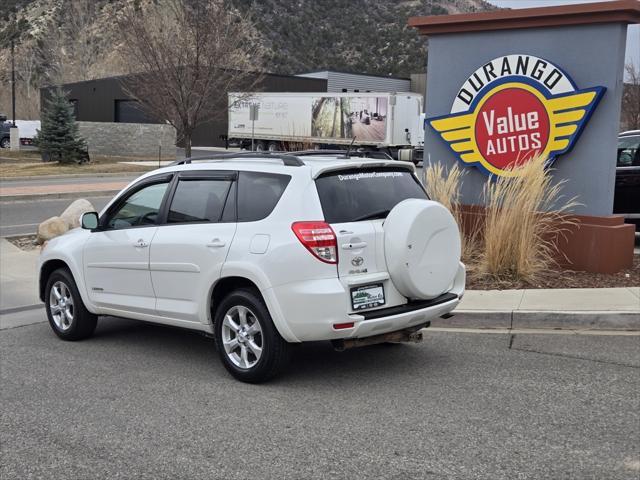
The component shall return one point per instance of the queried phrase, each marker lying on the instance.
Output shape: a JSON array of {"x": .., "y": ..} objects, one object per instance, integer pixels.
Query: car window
[
  {"x": 363, "y": 194},
  {"x": 198, "y": 200},
  {"x": 628, "y": 151},
  {"x": 141, "y": 208},
  {"x": 258, "y": 194}
]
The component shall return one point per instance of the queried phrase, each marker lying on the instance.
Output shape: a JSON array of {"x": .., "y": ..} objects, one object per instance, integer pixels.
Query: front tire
[
  {"x": 67, "y": 314},
  {"x": 249, "y": 345}
]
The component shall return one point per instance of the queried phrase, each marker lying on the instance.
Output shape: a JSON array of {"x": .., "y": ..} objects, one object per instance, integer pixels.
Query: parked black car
[{"x": 627, "y": 193}]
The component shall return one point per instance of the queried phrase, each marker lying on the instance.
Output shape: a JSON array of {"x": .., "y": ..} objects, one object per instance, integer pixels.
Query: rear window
[
  {"x": 258, "y": 194},
  {"x": 363, "y": 194}
]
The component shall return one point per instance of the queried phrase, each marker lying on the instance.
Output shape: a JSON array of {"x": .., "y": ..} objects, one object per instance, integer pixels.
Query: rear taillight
[{"x": 319, "y": 239}]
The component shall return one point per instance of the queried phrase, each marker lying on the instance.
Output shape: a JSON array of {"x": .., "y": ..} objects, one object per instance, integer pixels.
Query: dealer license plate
[{"x": 367, "y": 296}]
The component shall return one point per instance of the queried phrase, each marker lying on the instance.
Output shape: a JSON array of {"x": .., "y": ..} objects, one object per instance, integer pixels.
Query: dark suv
[{"x": 627, "y": 193}]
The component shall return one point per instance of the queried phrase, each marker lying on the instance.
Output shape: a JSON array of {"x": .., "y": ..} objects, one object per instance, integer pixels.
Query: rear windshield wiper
[{"x": 372, "y": 215}]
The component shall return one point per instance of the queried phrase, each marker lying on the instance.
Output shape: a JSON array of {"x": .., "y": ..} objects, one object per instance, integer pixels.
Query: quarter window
[
  {"x": 199, "y": 200},
  {"x": 141, "y": 208},
  {"x": 258, "y": 194}
]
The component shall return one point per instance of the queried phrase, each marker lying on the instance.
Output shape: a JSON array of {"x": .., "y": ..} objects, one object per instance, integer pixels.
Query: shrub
[{"x": 525, "y": 215}]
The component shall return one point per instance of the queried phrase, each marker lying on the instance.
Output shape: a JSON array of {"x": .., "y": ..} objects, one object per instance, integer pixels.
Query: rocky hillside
[
  {"x": 71, "y": 40},
  {"x": 302, "y": 35},
  {"x": 357, "y": 35}
]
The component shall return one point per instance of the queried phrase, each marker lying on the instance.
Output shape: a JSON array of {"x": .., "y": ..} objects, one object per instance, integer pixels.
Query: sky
[{"x": 633, "y": 32}]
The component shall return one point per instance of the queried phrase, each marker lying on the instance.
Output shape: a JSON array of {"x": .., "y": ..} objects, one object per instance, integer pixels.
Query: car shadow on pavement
[{"x": 194, "y": 352}]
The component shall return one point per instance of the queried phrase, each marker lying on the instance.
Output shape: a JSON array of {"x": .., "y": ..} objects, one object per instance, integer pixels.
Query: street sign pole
[{"x": 253, "y": 116}]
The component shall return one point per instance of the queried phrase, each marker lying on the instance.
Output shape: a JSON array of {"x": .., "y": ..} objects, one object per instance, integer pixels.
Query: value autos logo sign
[{"x": 512, "y": 109}]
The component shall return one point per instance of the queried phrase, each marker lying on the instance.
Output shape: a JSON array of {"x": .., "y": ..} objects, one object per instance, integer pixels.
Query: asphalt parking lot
[{"x": 143, "y": 401}]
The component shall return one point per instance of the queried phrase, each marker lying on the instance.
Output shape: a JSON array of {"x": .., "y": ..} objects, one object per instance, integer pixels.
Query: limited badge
[{"x": 513, "y": 109}]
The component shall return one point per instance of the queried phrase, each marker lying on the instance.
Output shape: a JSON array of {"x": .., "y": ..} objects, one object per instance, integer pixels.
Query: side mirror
[{"x": 89, "y": 220}]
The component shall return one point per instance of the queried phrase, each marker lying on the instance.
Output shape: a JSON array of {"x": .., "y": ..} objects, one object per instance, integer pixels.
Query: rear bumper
[
  {"x": 309, "y": 310},
  {"x": 410, "y": 318}
]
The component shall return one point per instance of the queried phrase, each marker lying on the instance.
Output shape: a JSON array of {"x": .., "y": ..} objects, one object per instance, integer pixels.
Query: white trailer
[{"x": 295, "y": 121}]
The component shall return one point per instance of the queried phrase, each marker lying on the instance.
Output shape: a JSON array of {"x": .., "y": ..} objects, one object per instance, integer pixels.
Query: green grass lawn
[{"x": 28, "y": 163}]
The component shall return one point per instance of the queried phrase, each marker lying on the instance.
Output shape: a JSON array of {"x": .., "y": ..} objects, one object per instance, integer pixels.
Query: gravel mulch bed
[
  {"x": 563, "y": 279},
  {"x": 24, "y": 242}
]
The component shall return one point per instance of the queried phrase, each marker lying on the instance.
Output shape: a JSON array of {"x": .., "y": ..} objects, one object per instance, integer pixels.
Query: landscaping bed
[
  {"x": 29, "y": 165},
  {"x": 561, "y": 278},
  {"x": 24, "y": 242}
]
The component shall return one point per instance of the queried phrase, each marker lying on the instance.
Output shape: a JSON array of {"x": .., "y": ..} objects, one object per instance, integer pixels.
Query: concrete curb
[
  {"x": 57, "y": 195},
  {"x": 599, "y": 320}
]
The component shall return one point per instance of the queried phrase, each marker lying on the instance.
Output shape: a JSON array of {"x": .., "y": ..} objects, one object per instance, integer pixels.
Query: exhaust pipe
[{"x": 409, "y": 335}]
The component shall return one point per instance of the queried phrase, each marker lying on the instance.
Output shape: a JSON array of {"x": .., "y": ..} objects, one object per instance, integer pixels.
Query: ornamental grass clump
[
  {"x": 526, "y": 214},
  {"x": 444, "y": 186}
]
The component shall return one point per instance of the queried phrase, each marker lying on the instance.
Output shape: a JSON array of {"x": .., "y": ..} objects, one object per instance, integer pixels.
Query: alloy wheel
[
  {"x": 242, "y": 337},
  {"x": 61, "y": 305}
]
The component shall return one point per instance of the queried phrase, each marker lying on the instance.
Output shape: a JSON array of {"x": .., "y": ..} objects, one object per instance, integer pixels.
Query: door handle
[
  {"x": 141, "y": 244},
  {"x": 216, "y": 243},
  {"x": 354, "y": 246}
]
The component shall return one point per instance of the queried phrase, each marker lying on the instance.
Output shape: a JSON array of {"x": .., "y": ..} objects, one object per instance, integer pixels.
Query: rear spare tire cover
[{"x": 421, "y": 247}]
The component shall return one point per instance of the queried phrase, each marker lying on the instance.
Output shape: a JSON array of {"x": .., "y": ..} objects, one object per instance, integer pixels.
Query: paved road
[
  {"x": 23, "y": 217},
  {"x": 148, "y": 402},
  {"x": 69, "y": 180}
]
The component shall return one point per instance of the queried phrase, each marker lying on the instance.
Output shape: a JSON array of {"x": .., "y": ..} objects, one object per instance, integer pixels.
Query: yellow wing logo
[{"x": 566, "y": 116}]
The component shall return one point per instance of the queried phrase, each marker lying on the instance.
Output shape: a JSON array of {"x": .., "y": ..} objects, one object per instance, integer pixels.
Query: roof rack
[
  {"x": 287, "y": 159},
  {"x": 353, "y": 153}
]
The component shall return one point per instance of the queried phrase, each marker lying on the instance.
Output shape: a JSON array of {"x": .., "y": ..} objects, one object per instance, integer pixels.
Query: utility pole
[{"x": 13, "y": 80}]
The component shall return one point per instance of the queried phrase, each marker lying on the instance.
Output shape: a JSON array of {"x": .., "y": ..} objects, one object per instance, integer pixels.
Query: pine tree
[{"x": 58, "y": 138}]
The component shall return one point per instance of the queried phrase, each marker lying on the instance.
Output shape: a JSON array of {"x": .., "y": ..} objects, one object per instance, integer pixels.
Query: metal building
[
  {"x": 355, "y": 82},
  {"x": 104, "y": 100}
]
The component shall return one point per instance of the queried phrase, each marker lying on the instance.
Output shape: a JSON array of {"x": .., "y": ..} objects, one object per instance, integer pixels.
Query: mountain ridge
[{"x": 64, "y": 41}]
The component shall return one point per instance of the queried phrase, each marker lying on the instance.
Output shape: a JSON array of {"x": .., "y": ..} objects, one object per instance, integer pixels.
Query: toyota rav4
[{"x": 262, "y": 251}]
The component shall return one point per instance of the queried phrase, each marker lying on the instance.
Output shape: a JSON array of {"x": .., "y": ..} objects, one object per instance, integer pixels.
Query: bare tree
[
  {"x": 184, "y": 57},
  {"x": 73, "y": 46},
  {"x": 631, "y": 98}
]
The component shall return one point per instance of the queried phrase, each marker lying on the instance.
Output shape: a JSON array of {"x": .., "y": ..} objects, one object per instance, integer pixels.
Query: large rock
[
  {"x": 72, "y": 213},
  {"x": 51, "y": 228}
]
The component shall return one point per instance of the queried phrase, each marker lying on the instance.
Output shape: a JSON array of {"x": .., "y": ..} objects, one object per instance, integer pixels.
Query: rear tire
[
  {"x": 250, "y": 347},
  {"x": 67, "y": 314},
  {"x": 5, "y": 142}
]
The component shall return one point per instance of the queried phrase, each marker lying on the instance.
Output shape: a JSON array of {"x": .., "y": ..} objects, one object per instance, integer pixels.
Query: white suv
[{"x": 262, "y": 251}]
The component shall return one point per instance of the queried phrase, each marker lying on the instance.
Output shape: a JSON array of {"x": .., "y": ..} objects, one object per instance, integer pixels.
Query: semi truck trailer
[{"x": 387, "y": 122}]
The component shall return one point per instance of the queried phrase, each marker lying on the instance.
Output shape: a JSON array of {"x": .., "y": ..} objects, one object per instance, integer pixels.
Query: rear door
[
  {"x": 190, "y": 247},
  {"x": 355, "y": 203}
]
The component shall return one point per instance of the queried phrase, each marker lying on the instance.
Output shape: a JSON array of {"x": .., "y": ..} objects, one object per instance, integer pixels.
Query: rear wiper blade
[{"x": 371, "y": 216}]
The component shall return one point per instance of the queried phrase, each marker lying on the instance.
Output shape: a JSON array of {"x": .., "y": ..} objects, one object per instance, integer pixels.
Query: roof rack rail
[
  {"x": 287, "y": 159},
  {"x": 353, "y": 153}
]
